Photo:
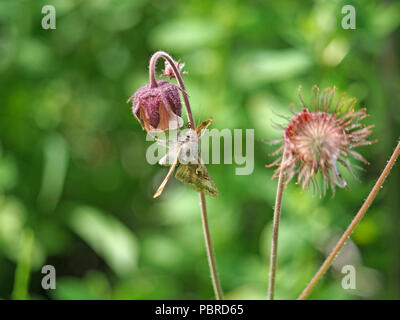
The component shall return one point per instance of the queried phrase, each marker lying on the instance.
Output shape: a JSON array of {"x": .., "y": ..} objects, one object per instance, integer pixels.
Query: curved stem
[
  {"x": 209, "y": 247},
  {"x": 210, "y": 251},
  {"x": 352, "y": 225},
  {"x": 178, "y": 76},
  {"x": 275, "y": 232}
]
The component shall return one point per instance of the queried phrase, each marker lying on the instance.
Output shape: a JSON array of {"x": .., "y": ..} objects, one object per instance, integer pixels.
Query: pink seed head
[{"x": 316, "y": 141}]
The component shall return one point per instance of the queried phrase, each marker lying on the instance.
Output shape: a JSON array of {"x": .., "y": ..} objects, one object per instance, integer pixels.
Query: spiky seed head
[{"x": 316, "y": 139}]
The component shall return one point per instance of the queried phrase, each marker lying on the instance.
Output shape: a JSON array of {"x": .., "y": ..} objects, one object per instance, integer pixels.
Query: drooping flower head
[
  {"x": 316, "y": 139},
  {"x": 158, "y": 107}
]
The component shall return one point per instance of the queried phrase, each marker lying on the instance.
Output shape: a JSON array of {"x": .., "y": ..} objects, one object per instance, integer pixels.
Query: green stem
[
  {"x": 178, "y": 77},
  {"x": 209, "y": 247},
  {"x": 275, "y": 232},
  {"x": 210, "y": 250},
  {"x": 328, "y": 261}
]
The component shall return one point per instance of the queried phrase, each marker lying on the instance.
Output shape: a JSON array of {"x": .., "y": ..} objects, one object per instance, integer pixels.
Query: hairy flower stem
[
  {"x": 210, "y": 251},
  {"x": 178, "y": 77},
  {"x": 275, "y": 231},
  {"x": 328, "y": 261},
  {"x": 207, "y": 237}
]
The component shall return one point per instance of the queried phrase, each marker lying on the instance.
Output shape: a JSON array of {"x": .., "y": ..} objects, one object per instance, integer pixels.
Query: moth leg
[
  {"x": 163, "y": 184},
  {"x": 169, "y": 174}
]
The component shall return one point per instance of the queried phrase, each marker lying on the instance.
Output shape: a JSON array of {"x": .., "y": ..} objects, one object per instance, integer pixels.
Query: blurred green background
[{"x": 76, "y": 190}]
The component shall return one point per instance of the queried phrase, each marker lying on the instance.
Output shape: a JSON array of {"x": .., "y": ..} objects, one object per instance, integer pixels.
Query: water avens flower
[
  {"x": 319, "y": 137},
  {"x": 315, "y": 140},
  {"x": 158, "y": 106}
]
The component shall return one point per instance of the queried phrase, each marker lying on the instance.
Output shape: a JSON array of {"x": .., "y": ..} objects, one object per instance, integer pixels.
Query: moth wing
[
  {"x": 164, "y": 161},
  {"x": 171, "y": 155},
  {"x": 197, "y": 177},
  {"x": 202, "y": 126}
]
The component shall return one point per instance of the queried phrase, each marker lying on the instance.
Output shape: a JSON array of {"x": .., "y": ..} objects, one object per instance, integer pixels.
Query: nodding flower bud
[{"x": 158, "y": 107}]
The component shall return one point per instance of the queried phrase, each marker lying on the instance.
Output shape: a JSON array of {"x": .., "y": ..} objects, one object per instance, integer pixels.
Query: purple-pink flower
[
  {"x": 158, "y": 107},
  {"x": 317, "y": 139}
]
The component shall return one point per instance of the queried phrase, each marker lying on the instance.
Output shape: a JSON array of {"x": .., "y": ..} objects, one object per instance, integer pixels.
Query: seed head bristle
[{"x": 315, "y": 141}]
